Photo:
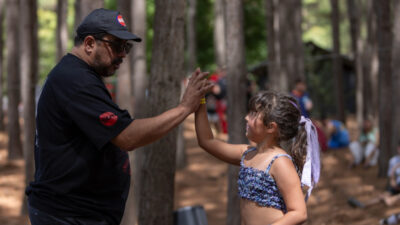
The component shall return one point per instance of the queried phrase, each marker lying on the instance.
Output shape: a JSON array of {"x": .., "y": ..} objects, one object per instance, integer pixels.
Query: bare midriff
[{"x": 253, "y": 214}]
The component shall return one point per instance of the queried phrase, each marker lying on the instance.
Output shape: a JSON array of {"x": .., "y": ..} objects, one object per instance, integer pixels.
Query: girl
[{"x": 269, "y": 184}]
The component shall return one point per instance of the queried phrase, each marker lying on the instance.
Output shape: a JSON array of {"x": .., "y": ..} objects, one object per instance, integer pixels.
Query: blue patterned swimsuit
[{"x": 259, "y": 186}]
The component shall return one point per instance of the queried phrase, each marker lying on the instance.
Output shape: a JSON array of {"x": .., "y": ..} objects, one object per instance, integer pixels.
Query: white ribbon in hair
[{"x": 312, "y": 166}]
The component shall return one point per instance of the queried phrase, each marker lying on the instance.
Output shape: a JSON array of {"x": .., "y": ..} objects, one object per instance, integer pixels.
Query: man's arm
[{"x": 144, "y": 131}]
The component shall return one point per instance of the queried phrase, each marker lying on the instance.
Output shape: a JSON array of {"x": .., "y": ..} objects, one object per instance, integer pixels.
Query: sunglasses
[{"x": 118, "y": 46}]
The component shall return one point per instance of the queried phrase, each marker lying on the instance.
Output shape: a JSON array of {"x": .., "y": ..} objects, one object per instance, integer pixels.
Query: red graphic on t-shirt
[
  {"x": 126, "y": 167},
  {"x": 108, "y": 118},
  {"x": 121, "y": 20}
]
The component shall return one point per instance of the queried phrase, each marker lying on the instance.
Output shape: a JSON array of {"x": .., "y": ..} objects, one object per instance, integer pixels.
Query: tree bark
[
  {"x": 237, "y": 102},
  {"x": 181, "y": 158},
  {"x": 29, "y": 72},
  {"x": 2, "y": 7},
  {"x": 167, "y": 70},
  {"x": 62, "y": 28},
  {"x": 124, "y": 78},
  {"x": 191, "y": 35},
  {"x": 384, "y": 34},
  {"x": 277, "y": 79},
  {"x": 13, "y": 81},
  {"x": 396, "y": 76},
  {"x": 84, "y": 7},
  {"x": 292, "y": 40},
  {"x": 220, "y": 33},
  {"x": 371, "y": 66},
  {"x": 357, "y": 46},
  {"x": 139, "y": 84},
  {"x": 285, "y": 44},
  {"x": 337, "y": 62}
]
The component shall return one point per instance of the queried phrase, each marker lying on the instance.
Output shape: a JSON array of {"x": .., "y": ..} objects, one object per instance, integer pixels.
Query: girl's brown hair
[{"x": 284, "y": 111}]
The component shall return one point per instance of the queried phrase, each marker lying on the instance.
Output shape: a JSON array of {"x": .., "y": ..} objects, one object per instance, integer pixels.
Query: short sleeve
[{"x": 98, "y": 117}]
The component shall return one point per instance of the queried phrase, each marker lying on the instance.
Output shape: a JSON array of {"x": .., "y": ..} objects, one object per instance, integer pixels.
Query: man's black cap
[{"x": 106, "y": 21}]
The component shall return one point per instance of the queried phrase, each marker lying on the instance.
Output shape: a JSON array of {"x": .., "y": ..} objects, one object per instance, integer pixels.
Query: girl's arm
[
  {"x": 230, "y": 153},
  {"x": 288, "y": 182}
]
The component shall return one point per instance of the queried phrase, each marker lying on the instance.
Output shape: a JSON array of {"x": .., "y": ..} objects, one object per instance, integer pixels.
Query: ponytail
[
  {"x": 298, "y": 150},
  {"x": 311, "y": 168}
]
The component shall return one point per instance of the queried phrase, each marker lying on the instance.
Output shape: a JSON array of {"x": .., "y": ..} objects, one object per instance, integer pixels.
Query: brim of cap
[{"x": 125, "y": 35}]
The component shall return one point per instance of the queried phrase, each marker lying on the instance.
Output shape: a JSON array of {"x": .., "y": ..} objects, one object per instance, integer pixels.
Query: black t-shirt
[{"x": 79, "y": 172}]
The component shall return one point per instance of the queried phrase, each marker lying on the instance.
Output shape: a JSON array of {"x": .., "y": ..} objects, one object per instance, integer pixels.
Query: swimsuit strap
[
  {"x": 245, "y": 153},
  {"x": 273, "y": 159}
]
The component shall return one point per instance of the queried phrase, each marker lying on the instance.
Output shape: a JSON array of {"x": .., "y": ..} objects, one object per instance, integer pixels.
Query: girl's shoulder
[{"x": 281, "y": 158}]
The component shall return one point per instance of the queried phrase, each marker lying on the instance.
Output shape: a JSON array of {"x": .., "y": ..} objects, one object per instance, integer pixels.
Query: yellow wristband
[{"x": 203, "y": 101}]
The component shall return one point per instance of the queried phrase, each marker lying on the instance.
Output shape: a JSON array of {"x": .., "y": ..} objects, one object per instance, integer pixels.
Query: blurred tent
[{"x": 319, "y": 79}]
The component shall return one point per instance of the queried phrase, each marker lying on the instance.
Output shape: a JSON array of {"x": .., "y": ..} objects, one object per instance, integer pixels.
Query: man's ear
[{"x": 89, "y": 44}]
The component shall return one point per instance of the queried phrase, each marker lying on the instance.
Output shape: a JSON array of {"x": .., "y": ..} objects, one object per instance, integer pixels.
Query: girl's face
[{"x": 256, "y": 131}]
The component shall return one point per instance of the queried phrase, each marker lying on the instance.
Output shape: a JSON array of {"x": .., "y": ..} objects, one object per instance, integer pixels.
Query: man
[
  {"x": 299, "y": 92},
  {"x": 82, "y": 167}
]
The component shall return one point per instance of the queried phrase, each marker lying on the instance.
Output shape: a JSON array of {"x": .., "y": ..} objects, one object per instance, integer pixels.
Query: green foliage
[
  {"x": 205, "y": 34},
  {"x": 47, "y": 45},
  {"x": 150, "y": 7},
  {"x": 70, "y": 23},
  {"x": 255, "y": 31},
  {"x": 317, "y": 25},
  {"x": 110, "y": 4}
]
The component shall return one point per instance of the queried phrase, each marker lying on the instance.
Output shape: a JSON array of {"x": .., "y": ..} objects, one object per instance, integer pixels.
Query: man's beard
[{"x": 105, "y": 70}]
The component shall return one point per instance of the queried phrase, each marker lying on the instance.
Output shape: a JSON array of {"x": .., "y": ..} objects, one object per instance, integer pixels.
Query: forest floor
[{"x": 204, "y": 182}]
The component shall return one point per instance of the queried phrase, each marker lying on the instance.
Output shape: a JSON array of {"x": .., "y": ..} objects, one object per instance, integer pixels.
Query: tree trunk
[
  {"x": 190, "y": 67},
  {"x": 62, "y": 28},
  {"x": 371, "y": 66},
  {"x": 292, "y": 40},
  {"x": 384, "y": 34},
  {"x": 138, "y": 21},
  {"x": 84, "y": 7},
  {"x": 2, "y": 6},
  {"x": 237, "y": 102},
  {"x": 277, "y": 79},
  {"x": 337, "y": 62},
  {"x": 180, "y": 141},
  {"x": 124, "y": 78},
  {"x": 396, "y": 77},
  {"x": 191, "y": 35},
  {"x": 29, "y": 71},
  {"x": 285, "y": 44},
  {"x": 167, "y": 70},
  {"x": 220, "y": 33},
  {"x": 357, "y": 46},
  {"x": 13, "y": 81}
]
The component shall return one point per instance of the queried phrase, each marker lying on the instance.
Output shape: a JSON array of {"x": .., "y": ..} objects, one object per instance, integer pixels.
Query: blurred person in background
[{"x": 365, "y": 148}]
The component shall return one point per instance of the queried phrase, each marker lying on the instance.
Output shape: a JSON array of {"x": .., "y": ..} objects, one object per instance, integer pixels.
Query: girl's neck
[{"x": 267, "y": 144}]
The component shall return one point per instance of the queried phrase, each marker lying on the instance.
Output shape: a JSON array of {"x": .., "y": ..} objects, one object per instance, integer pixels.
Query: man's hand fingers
[
  {"x": 198, "y": 75},
  {"x": 204, "y": 75},
  {"x": 195, "y": 75},
  {"x": 207, "y": 87}
]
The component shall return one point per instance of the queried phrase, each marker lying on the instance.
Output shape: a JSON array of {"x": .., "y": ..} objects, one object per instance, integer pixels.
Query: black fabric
[
  {"x": 79, "y": 172},
  {"x": 38, "y": 217}
]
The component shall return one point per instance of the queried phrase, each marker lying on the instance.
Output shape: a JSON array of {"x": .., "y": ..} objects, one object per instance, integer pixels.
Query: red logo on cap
[
  {"x": 108, "y": 118},
  {"x": 121, "y": 20}
]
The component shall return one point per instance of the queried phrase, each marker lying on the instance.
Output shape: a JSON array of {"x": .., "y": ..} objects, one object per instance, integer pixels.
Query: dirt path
[{"x": 203, "y": 182}]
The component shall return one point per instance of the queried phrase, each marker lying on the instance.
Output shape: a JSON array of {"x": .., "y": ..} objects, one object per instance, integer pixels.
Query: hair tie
[
  {"x": 295, "y": 105},
  {"x": 312, "y": 166}
]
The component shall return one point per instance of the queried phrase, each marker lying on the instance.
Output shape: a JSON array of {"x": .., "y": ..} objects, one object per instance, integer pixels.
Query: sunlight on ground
[{"x": 12, "y": 185}]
